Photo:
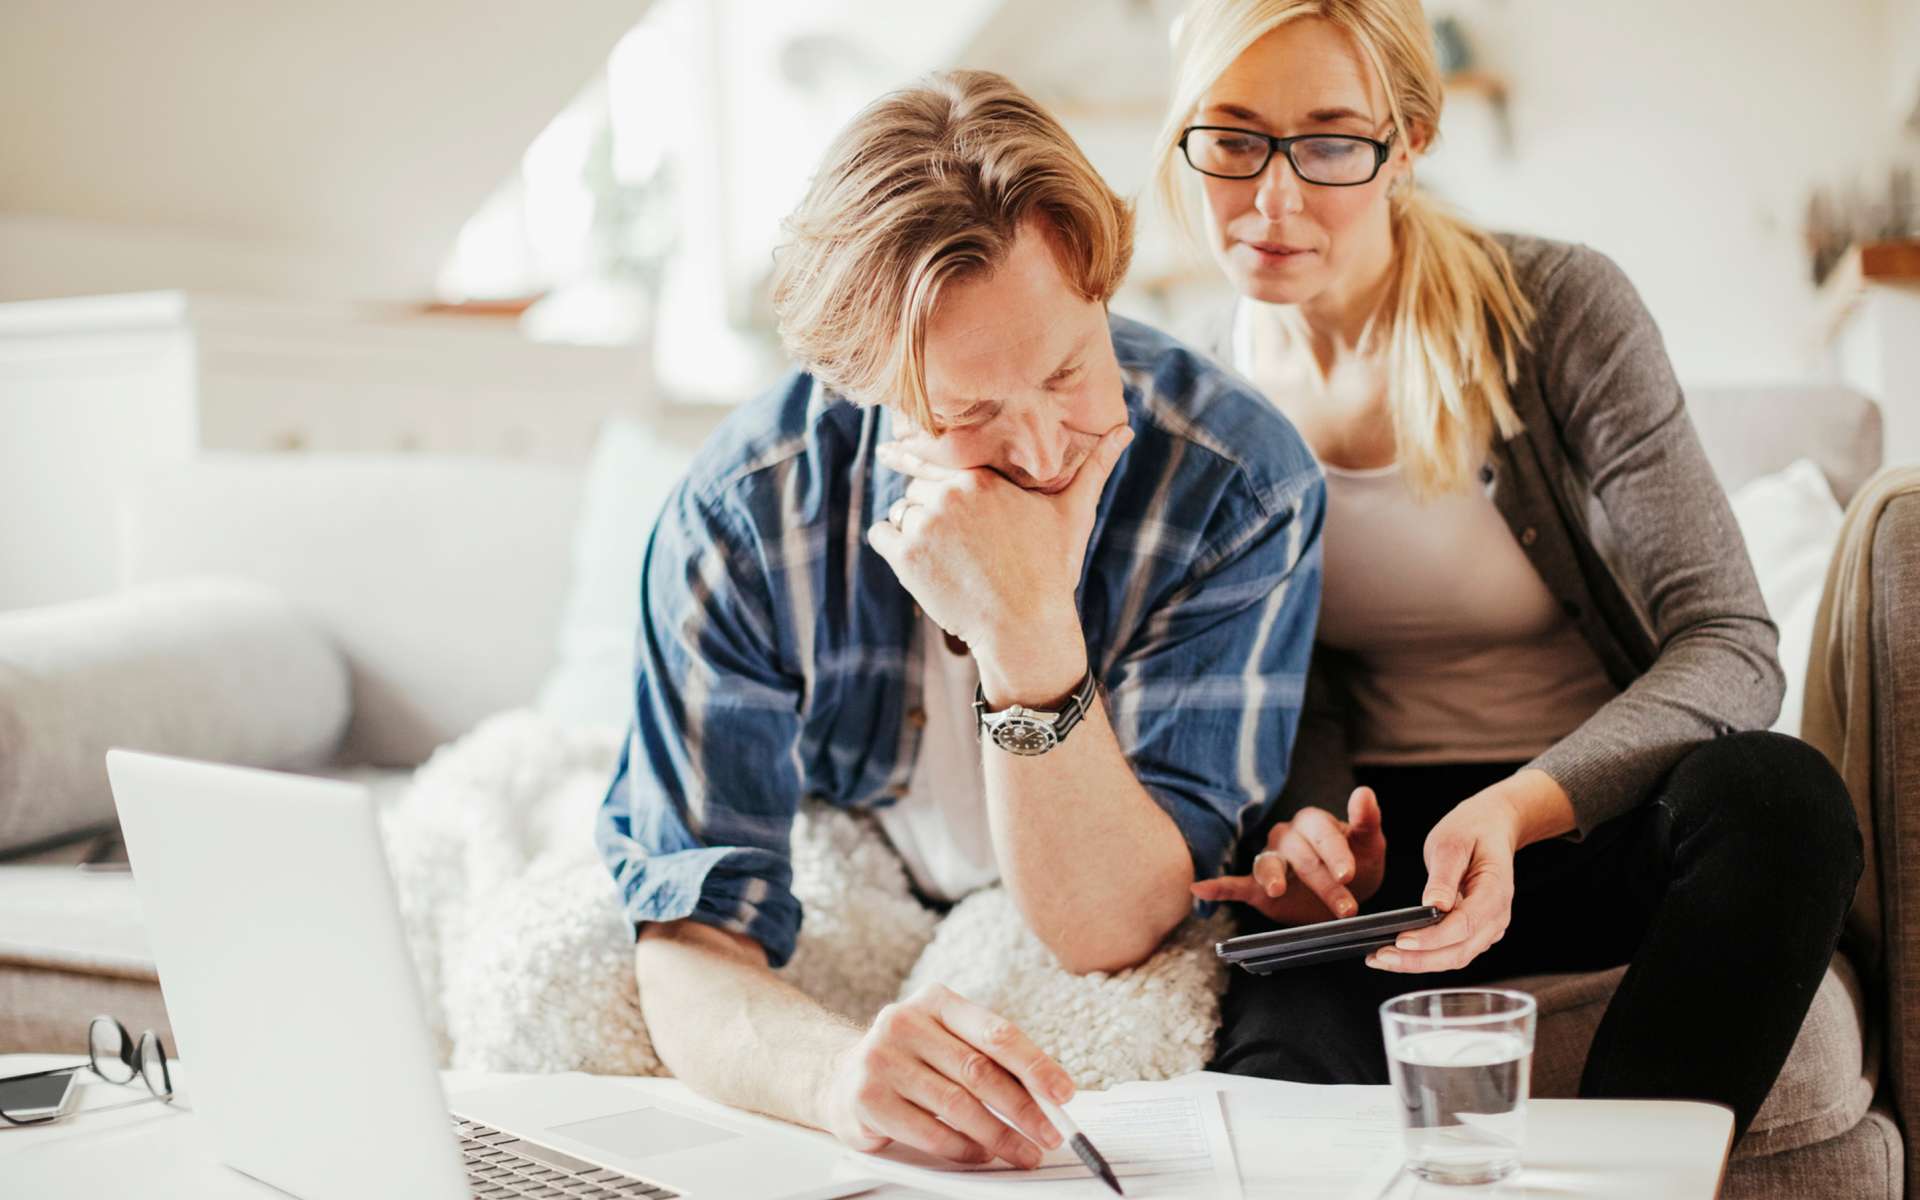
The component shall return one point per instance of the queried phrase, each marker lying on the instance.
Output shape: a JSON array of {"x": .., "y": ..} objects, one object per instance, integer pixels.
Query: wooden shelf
[
  {"x": 1886, "y": 261},
  {"x": 513, "y": 307},
  {"x": 1893, "y": 263},
  {"x": 1478, "y": 83}
]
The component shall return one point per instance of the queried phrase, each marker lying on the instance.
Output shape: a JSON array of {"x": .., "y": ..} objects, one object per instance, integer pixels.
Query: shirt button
[
  {"x": 1529, "y": 536},
  {"x": 1486, "y": 474},
  {"x": 917, "y": 717}
]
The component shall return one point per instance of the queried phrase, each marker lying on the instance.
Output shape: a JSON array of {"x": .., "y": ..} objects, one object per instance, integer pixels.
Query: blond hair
[
  {"x": 929, "y": 185},
  {"x": 1454, "y": 316}
]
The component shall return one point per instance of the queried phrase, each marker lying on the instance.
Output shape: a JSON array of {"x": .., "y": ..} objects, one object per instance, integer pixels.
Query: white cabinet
[
  {"x": 1878, "y": 352},
  {"x": 94, "y": 389}
]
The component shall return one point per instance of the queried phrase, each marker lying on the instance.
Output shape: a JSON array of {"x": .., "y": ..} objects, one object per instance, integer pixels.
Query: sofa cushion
[
  {"x": 1868, "y": 1162},
  {"x": 634, "y": 468},
  {"x": 73, "y": 943},
  {"x": 222, "y": 669},
  {"x": 1822, "y": 1090},
  {"x": 438, "y": 577},
  {"x": 45, "y": 1009},
  {"x": 1752, "y": 431}
]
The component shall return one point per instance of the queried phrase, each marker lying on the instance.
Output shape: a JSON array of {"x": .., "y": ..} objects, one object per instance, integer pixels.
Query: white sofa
[{"x": 435, "y": 588}]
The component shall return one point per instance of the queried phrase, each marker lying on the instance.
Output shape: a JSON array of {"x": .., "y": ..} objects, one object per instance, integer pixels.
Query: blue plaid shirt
[{"x": 777, "y": 659}]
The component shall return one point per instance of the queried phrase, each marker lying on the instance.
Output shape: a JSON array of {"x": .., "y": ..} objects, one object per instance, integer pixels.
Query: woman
[{"x": 1542, "y": 656}]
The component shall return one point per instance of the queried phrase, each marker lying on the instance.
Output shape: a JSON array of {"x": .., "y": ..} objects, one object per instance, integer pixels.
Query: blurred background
[{"x": 481, "y": 228}]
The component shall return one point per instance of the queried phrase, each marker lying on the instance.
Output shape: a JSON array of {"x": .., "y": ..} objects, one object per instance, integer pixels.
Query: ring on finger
[{"x": 898, "y": 512}]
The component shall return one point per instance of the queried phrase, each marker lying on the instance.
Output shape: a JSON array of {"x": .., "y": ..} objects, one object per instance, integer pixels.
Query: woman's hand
[
  {"x": 1470, "y": 878},
  {"x": 1340, "y": 863},
  {"x": 1470, "y": 870}
]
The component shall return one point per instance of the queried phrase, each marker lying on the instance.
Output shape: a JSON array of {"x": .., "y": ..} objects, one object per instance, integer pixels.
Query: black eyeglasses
[
  {"x": 113, "y": 1055},
  {"x": 1328, "y": 159}
]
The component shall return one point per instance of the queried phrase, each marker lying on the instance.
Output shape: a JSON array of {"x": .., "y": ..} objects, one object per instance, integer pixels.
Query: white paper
[
  {"x": 1305, "y": 1142},
  {"x": 1344, "y": 1143},
  {"x": 1163, "y": 1140}
]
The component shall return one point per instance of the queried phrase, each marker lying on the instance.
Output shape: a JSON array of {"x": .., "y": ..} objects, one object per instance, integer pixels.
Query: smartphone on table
[
  {"x": 32, "y": 1097},
  {"x": 1350, "y": 937}
]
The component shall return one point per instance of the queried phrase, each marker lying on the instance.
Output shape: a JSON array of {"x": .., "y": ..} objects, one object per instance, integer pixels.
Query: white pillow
[
  {"x": 628, "y": 479},
  {"x": 1791, "y": 524}
]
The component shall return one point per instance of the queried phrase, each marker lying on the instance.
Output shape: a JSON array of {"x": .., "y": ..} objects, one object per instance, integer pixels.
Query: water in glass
[
  {"x": 1465, "y": 1101},
  {"x": 1460, "y": 1063}
]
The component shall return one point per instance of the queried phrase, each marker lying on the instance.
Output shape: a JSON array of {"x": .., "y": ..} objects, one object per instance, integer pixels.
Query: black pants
[{"x": 1724, "y": 892}]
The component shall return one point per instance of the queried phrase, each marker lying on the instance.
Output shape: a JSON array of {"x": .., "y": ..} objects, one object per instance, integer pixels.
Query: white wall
[
  {"x": 322, "y": 149},
  {"x": 44, "y": 256},
  {"x": 70, "y": 433},
  {"x": 95, "y": 391},
  {"x": 1681, "y": 137},
  {"x": 1878, "y": 352},
  {"x": 1903, "y": 52}
]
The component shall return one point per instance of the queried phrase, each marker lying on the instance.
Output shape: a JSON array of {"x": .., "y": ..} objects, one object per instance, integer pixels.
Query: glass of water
[{"x": 1460, "y": 1061}]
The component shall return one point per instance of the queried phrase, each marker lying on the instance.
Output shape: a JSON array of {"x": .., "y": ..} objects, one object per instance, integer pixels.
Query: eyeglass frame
[
  {"x": 132, "y": 1055},
  {"x": 1382, "y": 150}
]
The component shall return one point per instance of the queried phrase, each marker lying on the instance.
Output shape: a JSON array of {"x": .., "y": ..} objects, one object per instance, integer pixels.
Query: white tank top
[
  {"x": 940, "y": 828},
  {"x": 1454, "y": 650}
]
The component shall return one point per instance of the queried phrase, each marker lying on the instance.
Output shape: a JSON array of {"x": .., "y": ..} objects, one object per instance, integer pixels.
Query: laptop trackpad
[{"x": 645, "y": 1133}]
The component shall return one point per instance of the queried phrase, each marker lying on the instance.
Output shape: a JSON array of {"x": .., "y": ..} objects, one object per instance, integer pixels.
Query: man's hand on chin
[{"x": 997, "y": 566}]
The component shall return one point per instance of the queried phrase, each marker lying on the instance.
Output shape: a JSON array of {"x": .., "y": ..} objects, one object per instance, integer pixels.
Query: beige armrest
[{"x": 1896, "y": 799}]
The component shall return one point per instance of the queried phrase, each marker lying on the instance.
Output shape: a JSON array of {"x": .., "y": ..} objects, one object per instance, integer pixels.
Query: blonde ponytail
[{"x": 1457, "y": 321}]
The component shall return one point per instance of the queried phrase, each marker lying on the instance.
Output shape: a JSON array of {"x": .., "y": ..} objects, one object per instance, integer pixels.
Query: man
[{"x": 901, "y": 581}]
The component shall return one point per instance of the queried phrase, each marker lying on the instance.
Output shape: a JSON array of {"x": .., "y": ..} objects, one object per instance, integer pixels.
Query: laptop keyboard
[{"x": 501, "y": 1165}]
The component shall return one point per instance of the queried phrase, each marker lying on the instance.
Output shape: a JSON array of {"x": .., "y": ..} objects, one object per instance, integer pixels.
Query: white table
[{"x": 1632, "y": 1150}]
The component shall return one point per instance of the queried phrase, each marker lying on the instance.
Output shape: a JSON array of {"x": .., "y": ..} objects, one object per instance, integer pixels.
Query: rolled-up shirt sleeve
[
  {"x": 697, "y": 821},
  {"x": 1205, "y": 698}
]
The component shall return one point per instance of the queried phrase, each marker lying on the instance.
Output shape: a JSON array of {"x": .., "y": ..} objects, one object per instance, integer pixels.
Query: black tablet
[{"x": 1303, "y": 944}]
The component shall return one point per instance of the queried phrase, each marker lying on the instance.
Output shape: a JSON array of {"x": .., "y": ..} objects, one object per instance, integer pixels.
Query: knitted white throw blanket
[{"x": 526, "y": 962}]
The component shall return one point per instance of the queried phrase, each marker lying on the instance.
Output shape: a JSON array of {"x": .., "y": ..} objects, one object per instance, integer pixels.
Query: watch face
[{"x": 1024, "y": 735}]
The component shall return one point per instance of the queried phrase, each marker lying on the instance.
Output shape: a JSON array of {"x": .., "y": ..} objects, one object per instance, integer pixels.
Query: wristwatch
[{"x": 1030, "y": 731}]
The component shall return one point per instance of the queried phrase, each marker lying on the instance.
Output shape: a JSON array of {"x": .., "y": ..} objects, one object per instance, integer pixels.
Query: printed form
[{"x": 1161, "y": 1140}]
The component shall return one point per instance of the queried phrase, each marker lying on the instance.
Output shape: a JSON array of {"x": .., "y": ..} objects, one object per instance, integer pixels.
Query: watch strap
[{"x": 1072, "y": 711}]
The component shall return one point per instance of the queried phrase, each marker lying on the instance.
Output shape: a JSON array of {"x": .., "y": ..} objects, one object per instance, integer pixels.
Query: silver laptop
[{"x": 292, "y": 994}]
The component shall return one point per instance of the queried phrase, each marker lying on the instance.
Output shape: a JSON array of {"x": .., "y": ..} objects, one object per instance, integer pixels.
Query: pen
[{"x": 1078, "y": 1141}]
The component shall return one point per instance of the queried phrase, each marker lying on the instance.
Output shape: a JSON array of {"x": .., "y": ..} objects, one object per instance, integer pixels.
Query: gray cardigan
[{"x": 1609, "y": 494}]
